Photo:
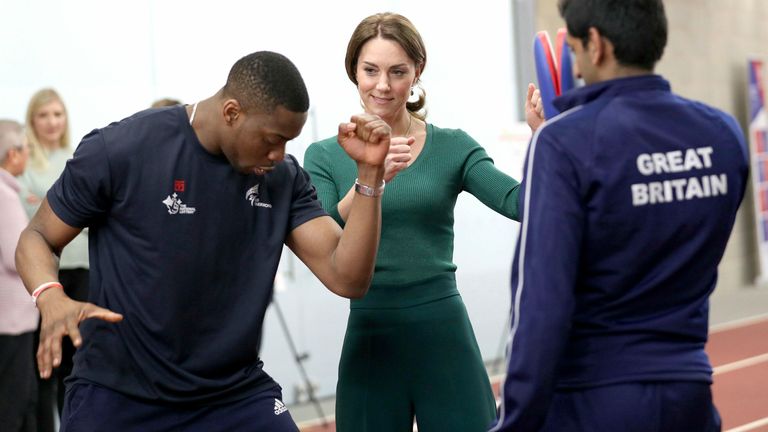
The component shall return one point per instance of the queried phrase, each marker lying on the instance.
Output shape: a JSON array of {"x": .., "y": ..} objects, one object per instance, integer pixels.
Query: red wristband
[{"x": 39, "y": 290}]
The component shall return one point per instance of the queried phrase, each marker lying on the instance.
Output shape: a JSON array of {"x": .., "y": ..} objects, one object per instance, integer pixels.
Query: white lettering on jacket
[{"x": 681, "y": 189}]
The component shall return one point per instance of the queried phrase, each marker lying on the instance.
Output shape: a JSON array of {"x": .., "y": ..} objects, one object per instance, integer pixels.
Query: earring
[{"x": 411, "y": 91}]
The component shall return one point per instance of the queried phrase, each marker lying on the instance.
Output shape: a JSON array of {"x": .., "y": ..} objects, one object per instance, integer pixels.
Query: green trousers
[{"x": 420, "y": 361}]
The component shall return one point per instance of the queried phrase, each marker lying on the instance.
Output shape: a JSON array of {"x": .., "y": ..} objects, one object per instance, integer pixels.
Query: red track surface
[{"x": 739, "y": 355}]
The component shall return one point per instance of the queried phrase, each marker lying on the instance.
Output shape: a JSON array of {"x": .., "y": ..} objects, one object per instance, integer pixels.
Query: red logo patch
[{"x": 178, "y": 185}]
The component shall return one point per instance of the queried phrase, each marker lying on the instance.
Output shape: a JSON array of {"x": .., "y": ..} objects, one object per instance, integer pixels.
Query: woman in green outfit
[{"x": 409, "y": 349}]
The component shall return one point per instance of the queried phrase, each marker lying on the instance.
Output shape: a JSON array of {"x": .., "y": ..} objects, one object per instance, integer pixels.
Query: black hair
[
  {"x": 265, "y": 80},
  {"x": 636, "y": 28}
]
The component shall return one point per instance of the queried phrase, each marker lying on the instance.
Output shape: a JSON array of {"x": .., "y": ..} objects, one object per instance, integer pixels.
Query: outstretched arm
[
  {"x": 37, "y": 254},
  {"x": 344, "y": 259}
]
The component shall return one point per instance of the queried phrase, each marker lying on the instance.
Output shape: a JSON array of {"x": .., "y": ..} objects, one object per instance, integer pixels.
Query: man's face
[
  {"x": 582, "y": 65},
  {"x": 257, "y": 140},
  {"x": 18, "y": 156}
]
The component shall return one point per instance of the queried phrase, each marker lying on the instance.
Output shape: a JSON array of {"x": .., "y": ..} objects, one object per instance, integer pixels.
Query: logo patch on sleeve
[{"x": 280, "y": 407}]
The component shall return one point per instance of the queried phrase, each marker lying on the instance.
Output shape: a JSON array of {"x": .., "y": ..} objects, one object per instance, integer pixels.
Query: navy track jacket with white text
[{"x": 628, "y": 199}]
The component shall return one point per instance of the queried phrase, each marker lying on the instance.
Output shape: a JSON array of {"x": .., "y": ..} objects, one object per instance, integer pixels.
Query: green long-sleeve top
[{"x": 418, "y": 204}]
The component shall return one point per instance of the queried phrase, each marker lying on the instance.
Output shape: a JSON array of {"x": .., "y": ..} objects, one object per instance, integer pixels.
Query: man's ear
[
  {"x": 597, "y": 46},
  {"x": 231, "y": 110}
]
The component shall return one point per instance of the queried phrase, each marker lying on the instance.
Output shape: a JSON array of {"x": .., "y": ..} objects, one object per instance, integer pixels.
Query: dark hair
[
  {"x": 397, "y": 28},
  {"x": 265, "y": 80},
  {"x": 636, "y": 28}
]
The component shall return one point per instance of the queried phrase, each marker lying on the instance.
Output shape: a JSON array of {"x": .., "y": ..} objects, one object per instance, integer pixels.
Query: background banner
[{"x": 758, "y": 144}]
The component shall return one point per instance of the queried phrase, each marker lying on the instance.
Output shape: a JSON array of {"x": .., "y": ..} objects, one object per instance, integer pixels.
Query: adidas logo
[{"x": 280, "y": 407}]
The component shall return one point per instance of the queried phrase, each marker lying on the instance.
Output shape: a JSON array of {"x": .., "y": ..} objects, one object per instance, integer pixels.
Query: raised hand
[
  {"x": 399, "y": 156},
  {"x": 366, "y": 139},
  {"x": 61, "y": 316},
  {"x": 534, "y": 108}
]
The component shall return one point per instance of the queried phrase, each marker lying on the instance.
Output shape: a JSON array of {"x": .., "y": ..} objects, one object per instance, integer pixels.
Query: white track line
[
  {"x": 744, "y": 322},
  {"x": 740, "y": 364},
  {"x": 750, "y": 426}
]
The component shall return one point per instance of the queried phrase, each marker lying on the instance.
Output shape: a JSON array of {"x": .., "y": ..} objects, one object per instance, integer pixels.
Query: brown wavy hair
[{"x": 397, "y": 28}]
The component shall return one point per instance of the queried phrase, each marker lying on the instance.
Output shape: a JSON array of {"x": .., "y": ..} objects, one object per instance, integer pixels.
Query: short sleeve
[
  {"x": 305, "y": 205},
  {"x": 83, "y": 191},
  {"x": 318, "y": 165}
]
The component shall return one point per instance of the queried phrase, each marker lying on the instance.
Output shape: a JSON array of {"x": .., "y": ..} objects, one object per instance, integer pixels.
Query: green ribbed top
[{"x": 418, "y": 204}]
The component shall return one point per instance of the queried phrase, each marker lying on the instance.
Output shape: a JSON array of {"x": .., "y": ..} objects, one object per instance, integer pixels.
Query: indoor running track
[{"x": 739, "y": 354}]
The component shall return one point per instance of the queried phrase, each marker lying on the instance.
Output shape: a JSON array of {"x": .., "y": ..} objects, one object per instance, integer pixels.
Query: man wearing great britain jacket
[{"x": 629, "y": 197}]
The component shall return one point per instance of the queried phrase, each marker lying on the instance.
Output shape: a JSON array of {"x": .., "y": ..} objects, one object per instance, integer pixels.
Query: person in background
[
  {"x": 18, "y": 316},
  {"x": 47, "y": 130},
  {"x": 409, "y": 350},
  {"x": 629, "y": 198},
  {"x": 189, "y": 209}
]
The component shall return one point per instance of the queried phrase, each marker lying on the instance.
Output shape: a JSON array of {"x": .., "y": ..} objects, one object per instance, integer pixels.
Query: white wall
[{"x": 111, "y": 59}]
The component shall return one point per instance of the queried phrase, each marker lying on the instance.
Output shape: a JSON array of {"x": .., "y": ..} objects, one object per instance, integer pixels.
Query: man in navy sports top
[
  {"x": 629, "y": 197},
  {"x": 188, "y": 209}
]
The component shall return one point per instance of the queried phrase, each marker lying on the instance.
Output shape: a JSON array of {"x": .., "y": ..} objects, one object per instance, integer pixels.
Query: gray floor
[{"x": 726, "y": 306}]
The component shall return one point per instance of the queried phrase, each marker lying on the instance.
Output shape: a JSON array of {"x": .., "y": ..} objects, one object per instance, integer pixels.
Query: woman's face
[
  {"x": 385, "y": 75},
  {"x": 49, "y": 123}
]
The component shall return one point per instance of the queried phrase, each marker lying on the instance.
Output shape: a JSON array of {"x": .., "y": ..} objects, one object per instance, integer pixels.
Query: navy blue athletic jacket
[{"x": 629, "y": 197}]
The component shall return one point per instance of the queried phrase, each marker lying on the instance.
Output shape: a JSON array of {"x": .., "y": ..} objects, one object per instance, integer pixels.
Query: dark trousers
[
  {"x": 635, "y": 407},
  {"x": 90, "y": 407},
  {"x": 18, "y": 385},
  {"x": 419, "y": 362}
]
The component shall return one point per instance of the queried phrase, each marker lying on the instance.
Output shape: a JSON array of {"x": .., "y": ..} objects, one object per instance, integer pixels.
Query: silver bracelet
[{"x": 369, "y": 191}]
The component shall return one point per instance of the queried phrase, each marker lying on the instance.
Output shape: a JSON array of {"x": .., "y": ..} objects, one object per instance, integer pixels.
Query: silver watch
[{"x": 369, "y": 191}]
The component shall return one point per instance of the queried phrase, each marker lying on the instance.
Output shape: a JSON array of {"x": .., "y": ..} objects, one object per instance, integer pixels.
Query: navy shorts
[
  {"x": 636, "y": 407},
  {"x": 89, "y": 407}
]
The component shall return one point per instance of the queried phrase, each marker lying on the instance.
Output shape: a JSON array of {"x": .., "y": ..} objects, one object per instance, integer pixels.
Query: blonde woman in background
[{"x": 47, "y": 128}]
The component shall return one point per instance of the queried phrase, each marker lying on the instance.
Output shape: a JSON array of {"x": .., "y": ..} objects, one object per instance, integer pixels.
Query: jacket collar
[{"x": 586, "y": 94}]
